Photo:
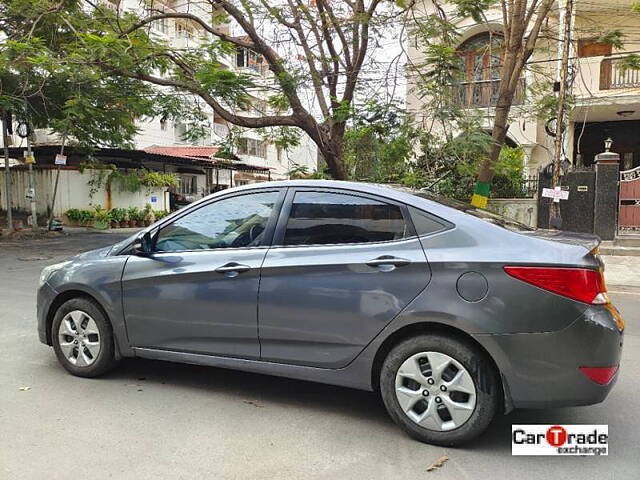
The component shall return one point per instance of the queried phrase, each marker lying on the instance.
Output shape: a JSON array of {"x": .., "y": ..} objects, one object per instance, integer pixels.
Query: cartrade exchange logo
[{"x": 559, "y": 439}]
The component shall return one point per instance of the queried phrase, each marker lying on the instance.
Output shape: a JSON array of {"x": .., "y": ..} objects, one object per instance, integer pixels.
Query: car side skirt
[{"x": 355, "y": 375}]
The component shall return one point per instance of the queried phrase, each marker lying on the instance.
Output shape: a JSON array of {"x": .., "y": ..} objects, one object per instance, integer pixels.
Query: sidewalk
[{"x": 621, "y": 271}]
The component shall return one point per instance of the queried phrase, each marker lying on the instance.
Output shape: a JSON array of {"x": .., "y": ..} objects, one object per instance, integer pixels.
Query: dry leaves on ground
[{"x": 438, "y": 463}]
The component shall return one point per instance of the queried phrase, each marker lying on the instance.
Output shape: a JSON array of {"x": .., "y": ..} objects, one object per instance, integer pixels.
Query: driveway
[{"x": 155, "y": 420}]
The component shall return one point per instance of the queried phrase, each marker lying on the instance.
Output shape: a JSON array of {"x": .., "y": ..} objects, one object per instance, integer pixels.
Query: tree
[
  {"x": 319, "y": 46},
  {"x": 379, "y": 143},
  {"x": 73, "y": 100},
  {"x": 522, "y": 22}
]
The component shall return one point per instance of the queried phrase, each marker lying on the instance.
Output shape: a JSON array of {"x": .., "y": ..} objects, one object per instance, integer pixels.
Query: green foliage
[
  {"x": 231, "y": 86},
  {"x": 133, "y": 213},
  {"x": 630, "y": 62},
  {"x": 118, "y": 215},
  {"x": 100, "y": 173},
  {"x": 131, "y": 180},
  {"x": 147, "y": 213},
  {"x": 457, "y": 179},
  {"x": 78, "y": 216},
  {"x": 473, "y": 8},
  {"x": 283, "y": 138},
  {"x": 101, "y": 214},
  {"x": 158, "y": 214},
  {"x": 44, "y": 81},
  {"x": 378, "y": 143},
  {"x": 615, "y": 38}
]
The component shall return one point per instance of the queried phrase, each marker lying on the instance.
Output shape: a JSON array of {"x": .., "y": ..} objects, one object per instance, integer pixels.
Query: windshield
[{"x": 486, "y": 215}]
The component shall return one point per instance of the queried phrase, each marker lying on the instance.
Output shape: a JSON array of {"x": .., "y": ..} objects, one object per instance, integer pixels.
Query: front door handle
[
  {"x": 232, "y": 269},
  {"x": 388, "y": 260}
]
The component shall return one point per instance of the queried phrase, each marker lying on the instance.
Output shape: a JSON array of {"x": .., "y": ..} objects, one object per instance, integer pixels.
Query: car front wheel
[
  {"x": 439, "y": 389},
  {"x": 82, "y": 338}
]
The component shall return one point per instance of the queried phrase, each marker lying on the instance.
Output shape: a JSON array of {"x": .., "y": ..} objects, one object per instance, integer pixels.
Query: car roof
[
  {"x": 438, "y": 205},
  {"x": 393, "y": 192},
  {"x": 389, "y": 191}
]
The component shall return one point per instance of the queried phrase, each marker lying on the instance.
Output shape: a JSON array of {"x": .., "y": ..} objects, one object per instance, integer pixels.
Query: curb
[{"x": 625, "y": 289}]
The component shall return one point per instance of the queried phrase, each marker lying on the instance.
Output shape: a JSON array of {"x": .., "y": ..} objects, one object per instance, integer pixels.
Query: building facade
[
  {"x": 605, "y": 95},
  {"x": 250, "y": 146}
]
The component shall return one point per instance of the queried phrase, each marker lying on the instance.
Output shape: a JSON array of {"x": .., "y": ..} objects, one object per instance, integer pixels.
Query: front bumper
[
  {"x": 541, "y": 370},
  {"x": 46, "y": 295}
]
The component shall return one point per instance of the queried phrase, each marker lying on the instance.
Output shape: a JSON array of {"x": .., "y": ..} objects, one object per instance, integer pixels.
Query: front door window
[{"x": 236, "y": 222}]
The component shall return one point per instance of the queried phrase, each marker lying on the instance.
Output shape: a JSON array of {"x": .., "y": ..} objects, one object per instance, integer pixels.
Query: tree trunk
[
  {"x": 330, "y": 144},
  {"x": 335, "y": 162},
  {"x": 509, "y": 77},
  {"x": 498, "y": 137}
]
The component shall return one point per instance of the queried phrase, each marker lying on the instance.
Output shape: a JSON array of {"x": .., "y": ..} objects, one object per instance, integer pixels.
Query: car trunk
[{"x": 586, "y": 240}]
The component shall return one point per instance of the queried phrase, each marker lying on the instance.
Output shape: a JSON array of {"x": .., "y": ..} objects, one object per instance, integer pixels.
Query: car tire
[
  {"x": 422, "y": 408},
  {"x": 94, "y": 336}
]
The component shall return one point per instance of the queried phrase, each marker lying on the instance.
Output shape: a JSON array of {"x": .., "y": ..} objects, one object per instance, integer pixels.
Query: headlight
[{"x": 50, "y": 270}]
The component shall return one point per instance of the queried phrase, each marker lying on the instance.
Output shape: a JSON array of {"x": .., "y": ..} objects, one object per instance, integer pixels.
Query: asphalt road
[{"x": 155, "y": 420}]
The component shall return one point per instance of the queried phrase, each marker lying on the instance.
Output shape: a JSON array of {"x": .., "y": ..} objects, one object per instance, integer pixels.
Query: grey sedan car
[{"x": 451, "y": 316}]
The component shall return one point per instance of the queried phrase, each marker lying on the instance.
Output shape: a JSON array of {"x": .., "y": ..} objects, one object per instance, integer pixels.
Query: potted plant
[
  {"x": 132, "y": 212},
  {"x": 101, "y": 218},
  {"x": 117, "y": 217},
  {"x": 124, "y": 221},
  {"x": 147, "y": 214},
  {"x": 159, "y": 214},
  {"x": 73, "y": 215}
]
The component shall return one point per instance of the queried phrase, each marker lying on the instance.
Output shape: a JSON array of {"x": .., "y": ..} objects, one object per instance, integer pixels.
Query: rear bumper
[{"x": 541, "y": 370}]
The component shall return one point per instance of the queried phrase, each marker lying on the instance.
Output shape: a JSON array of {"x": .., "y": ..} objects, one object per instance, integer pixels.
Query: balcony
[
  {"x": 613, "y": 76},
  {"x": 482, "y": 93}
]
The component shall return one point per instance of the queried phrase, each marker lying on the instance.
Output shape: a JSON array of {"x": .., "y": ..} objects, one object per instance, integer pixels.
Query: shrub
[
  {"x": 133, "y": 213},
  {"x": 118, "y": 214},
  {"x": 160, "y": 214},
  {"x": 78, "y": 216},
  {"x": 147, "y": 213}
]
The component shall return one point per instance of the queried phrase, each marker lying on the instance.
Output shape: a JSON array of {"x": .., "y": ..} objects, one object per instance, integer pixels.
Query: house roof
[
  {"x": 133, "y": 158},
  {"x": 177, "y": 151}
]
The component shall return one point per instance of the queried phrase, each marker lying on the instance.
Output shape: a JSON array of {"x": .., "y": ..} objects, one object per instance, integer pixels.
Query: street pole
[
  {"x": 32, "y": 185},
  {"x": 7, "y": 172},
  {"x": 555, "y": 217},
  {"x": 55, "y": 186}
]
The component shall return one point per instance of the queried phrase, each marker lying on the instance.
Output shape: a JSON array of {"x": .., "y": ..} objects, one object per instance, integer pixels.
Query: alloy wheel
[
  {"x": 79, "y": 338},
  {"x": 435, "y": 391}
]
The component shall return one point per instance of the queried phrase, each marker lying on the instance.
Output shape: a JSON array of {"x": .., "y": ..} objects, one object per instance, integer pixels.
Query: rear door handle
[
  {"x": 232, "y": 269},
  {"x": 388, "y": 260}
]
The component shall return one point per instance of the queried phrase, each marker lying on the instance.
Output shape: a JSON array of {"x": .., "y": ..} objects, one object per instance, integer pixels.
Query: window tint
[
  {"x": 319, "y": 218},
  {"x": 424, "y": 223},
  {"x": 229, "y": 223}
]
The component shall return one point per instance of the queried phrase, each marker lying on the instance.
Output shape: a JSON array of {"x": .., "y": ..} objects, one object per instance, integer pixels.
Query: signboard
[
  {"x": 60, "y": 159},
  {"x": 154, "y": 199},
  {"x": 583, "y": 188},
  {"x": 556, "y": 193},
  {"x": 28, "y": 158}
]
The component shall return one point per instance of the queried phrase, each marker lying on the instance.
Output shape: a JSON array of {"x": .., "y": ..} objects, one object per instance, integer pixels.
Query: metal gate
[{"x": 629, "y": 201}]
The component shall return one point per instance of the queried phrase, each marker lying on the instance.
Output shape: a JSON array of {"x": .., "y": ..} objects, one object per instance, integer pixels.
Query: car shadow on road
[
  {"x": 264, "y": 390},
  {"x": 261, "y": 390}
]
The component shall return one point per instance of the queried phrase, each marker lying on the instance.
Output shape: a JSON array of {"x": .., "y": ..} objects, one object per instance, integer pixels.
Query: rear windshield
[{"x": 486, "y": 215}]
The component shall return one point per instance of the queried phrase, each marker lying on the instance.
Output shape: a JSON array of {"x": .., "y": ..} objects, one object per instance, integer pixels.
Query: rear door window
[{"x": 326, "y": 218}]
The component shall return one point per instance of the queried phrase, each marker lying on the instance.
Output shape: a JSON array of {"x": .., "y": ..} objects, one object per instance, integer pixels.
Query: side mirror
[{"x": 143, "y": 244}]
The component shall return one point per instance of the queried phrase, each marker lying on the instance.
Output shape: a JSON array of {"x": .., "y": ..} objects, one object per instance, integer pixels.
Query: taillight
[
  {"x": 600, "y": 375},
  {"x": 581, "y": 284}
]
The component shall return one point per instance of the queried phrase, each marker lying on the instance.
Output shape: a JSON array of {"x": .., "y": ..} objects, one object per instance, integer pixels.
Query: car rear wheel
[
  {"x": 82, "y": 338},
  {"x": 440, "y": 390}
]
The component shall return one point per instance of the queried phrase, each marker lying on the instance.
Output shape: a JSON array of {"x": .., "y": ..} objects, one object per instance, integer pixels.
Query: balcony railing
[
  {"x": 613, "y": 75},
  {"x": 482, "y": 93}
]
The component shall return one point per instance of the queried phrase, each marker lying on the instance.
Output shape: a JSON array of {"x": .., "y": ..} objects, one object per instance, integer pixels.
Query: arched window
[{"x": 480, "y": 65}]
